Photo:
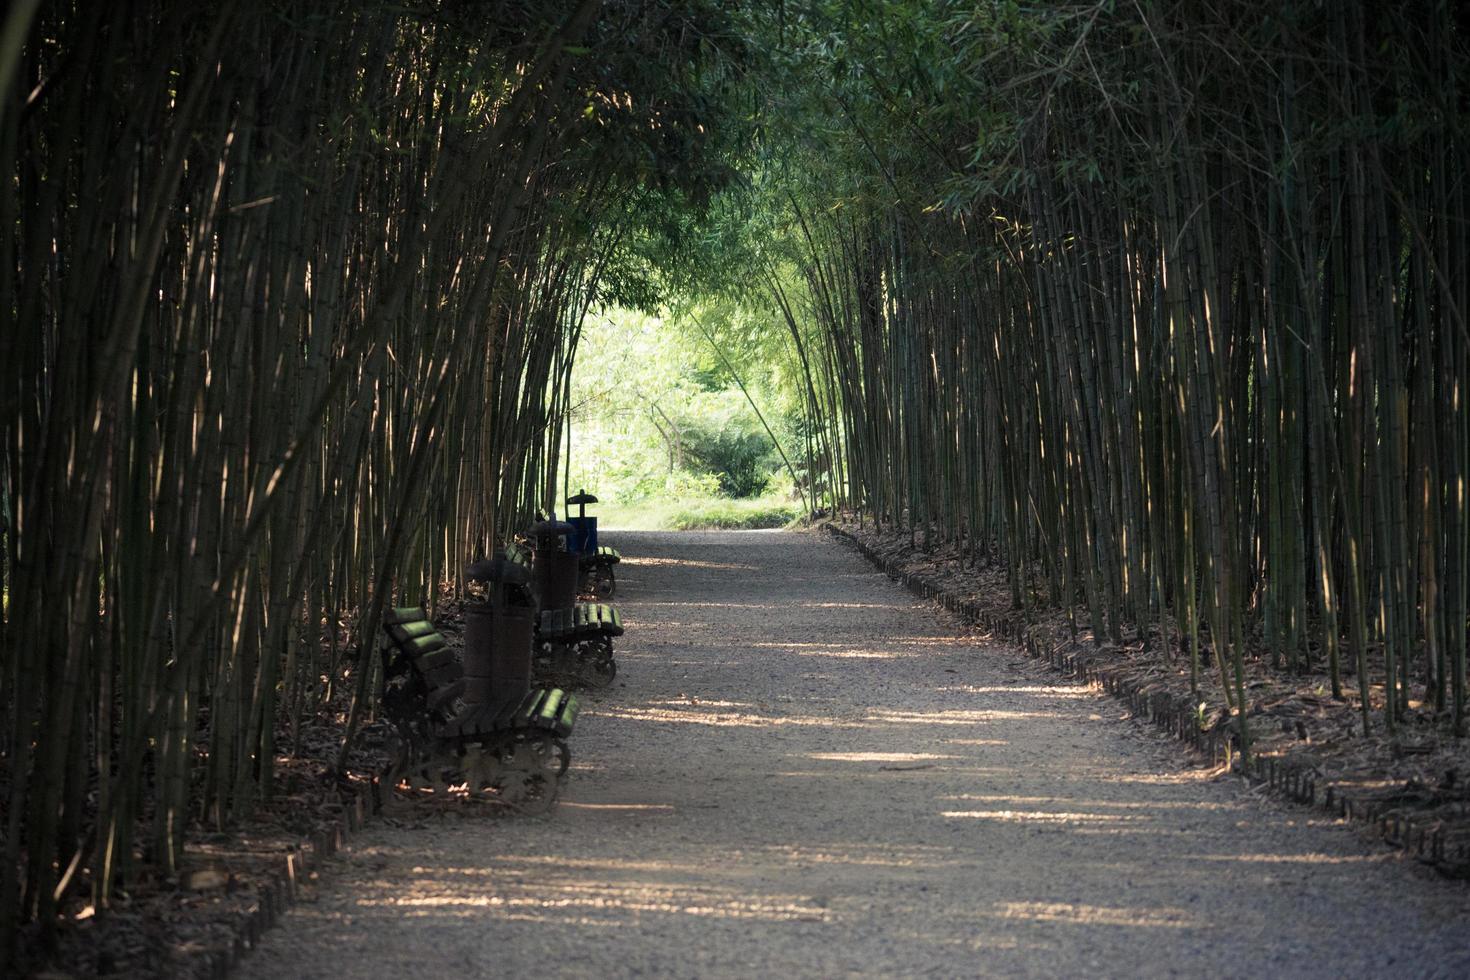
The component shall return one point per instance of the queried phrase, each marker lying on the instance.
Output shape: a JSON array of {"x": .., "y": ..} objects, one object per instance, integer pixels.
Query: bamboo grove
[
  {"x": 291, "y": 297},
  {"x": 1179, "y": 337},
  {"x": 1159, "y": 306}
]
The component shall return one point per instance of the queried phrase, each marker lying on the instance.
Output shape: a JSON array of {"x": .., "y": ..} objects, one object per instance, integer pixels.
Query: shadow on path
[{"x": 804, "y": 771}]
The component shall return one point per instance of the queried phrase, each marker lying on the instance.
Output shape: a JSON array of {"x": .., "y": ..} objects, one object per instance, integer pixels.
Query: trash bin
[
  {"x": 584, "y": 528},
  {"x": 497, "y": 633},
  {"x": 597, "y": 577},
  {"x": 554, "y": 569}
]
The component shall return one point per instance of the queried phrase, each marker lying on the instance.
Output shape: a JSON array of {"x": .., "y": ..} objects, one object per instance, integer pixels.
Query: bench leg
[
  {"x": 598, "y": 581},
  {"x": 604, "y": 582},
  {"x": 595, "y": 662},
  {"x": 528, "y": 771},
  {"x": 582, "y": 664}
]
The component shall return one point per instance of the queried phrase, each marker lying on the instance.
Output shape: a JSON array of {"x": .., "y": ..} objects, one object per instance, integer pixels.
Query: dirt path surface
[{"x": 802, "y": 771}]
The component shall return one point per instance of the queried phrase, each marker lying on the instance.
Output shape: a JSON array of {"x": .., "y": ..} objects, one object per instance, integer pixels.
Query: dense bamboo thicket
[
  {"x": 1163, "y": 306},
  {"x": 291, "y": 295}
]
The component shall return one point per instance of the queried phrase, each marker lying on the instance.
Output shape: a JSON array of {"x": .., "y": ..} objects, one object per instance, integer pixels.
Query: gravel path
[{"x": 802, "y": 771}]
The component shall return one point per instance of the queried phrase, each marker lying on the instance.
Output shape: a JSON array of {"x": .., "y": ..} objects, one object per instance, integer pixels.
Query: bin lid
[
  {"x": 499, "y": 570},
  {"x": 550, "y": 529},
  {"x": 582, "y": 497}
]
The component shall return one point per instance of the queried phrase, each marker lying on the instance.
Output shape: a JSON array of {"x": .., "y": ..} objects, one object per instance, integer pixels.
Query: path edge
[
  {"x": 1176, "y": 716},
  {"x": 355, "y": 805}
]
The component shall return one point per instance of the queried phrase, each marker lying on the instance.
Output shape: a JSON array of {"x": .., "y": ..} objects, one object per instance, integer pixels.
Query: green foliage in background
[{"x": 659, "y": 424}]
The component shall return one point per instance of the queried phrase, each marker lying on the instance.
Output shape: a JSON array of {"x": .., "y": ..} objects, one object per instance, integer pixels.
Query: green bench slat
[
  {"x": 599, "y": 617},
  {"x": 434, "y": 659},
  {"x": 405, "y": 614},
  {"x": 403, "y": 632},
  {"x": 549, "y": 708},
  {"x": 567, "y": 717},
  {"x": 527, "y": 710},
  {"x": 557, "y": 711},
  {"x": 582, "y": 620},
  {"x": 555, "y": 624},
  {"x": 419, "y": 647}
]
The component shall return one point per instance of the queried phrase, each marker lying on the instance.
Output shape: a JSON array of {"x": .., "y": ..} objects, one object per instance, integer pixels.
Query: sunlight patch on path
[{"x": 1171, "y": 918}]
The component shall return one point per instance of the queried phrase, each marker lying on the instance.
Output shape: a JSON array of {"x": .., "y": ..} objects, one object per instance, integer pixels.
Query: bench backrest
[{"x": 421, "y": 648}]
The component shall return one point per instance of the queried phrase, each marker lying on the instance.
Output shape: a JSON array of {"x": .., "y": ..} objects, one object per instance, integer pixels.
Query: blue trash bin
[{"x": 584, "y": 533}]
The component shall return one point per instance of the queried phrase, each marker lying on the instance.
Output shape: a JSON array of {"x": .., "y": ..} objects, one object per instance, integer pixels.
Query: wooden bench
[
  {"x": 513, "y": 751},
  {"x": 587, "y": 631},
  {"x": 574, "y": 645},
  {"x": 598, "y": 576}
]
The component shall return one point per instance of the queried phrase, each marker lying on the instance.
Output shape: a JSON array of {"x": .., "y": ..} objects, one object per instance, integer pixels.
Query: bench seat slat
[
  {"x": 527, "y": 710},
  {"x": 583, "y": 620},
  {"x": 506, "y": 713},
  {"x": 484, "y": 721},
  {"x": 549, "y": 708},
  {"x": 567, "y": 716},
  {"x": 489, "y": 721},
  {"x": 555, "y": 624}
]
